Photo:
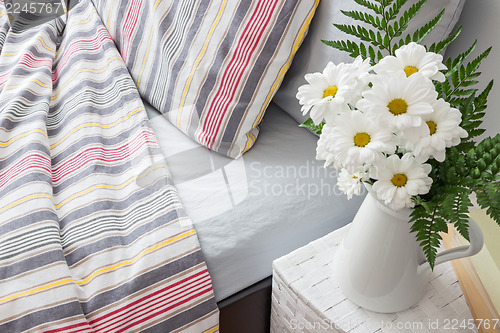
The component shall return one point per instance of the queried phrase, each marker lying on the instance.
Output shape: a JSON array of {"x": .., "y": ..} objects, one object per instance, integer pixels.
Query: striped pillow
[{"x": 210, "y": 66}]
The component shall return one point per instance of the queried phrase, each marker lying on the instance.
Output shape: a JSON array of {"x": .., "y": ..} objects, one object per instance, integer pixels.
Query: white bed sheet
[{"x": 250, "y": 211}]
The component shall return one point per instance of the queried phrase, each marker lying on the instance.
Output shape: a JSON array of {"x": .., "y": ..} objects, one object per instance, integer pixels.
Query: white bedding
[{"x": 250, "y": 211}]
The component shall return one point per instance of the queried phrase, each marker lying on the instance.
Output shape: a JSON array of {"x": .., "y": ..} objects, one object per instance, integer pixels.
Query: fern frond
[
  {"x": 422, "y": 32},
  {"x": 366, "y": 18},
  {"x": 377, "y": 9},
  {"x": 400, "y": 26},
  {"x": 442, "y": 45},
  {"x": 309, "y": 124}
]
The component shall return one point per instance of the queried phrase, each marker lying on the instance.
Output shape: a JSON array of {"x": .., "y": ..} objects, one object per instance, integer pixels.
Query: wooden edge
[{"x": 477, "y": 297}]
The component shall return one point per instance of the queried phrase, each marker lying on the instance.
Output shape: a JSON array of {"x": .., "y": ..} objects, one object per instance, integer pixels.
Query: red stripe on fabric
[
  {"x": 70, "y": 327},
  {"x": 102, "y": 154},
  {"x": 166, "y": 309},
  {"x": 29, "y": 162},
  {"x": 246, "y": 47},
  {"x": 229, "y": 86},
  {"x": 81, "y": 46},
  {"x": 128, "y": 28},
  {"x": 225, "y": 82},
  {"x": 29, "y": 61},
  {"x": 156, "y": 303},
  {"x": 123, "y": 308}
]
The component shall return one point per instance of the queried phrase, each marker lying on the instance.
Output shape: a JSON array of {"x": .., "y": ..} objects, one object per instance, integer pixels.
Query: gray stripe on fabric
[
  {"x": 41, "y": 149},
  {"x": 255, "y": 76},
  {"x": 119, "y": 22},
  {"x": 165, "y": 104},
  {"x": 116, "y": 92},
  {"x": 24, "y": 94},
  {"x": 86, "y": 250},
  {"x": 139, "y": 33},
  {"x": 116, "y": 222},
  {"x": 27, "y": 220},
  {"x": 17, "y": 110},
  {"x": 182, "y": 319},
  {"x": 171, "y": 48},
  {"x": 163, "y": 26},
  {"x": 215, "y": 69},
  {"x": 97, "y": 139},
  {"x": 32, "y": 176},
  {"x": 142, "y": 281},
  {"x": 114, "y": 205},
  {"x": 34, "y": 262},
  {"x": 103, "y": 168},
  {"x": 102, "y": 55},
  {"x": 33, "y": 319}
]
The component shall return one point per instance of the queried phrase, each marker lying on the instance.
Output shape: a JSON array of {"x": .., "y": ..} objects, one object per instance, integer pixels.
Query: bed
[{"x": 250, "y": 211}]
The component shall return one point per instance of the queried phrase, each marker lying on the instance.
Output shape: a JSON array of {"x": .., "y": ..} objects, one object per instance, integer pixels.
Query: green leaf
[
  {"x": 363, "y": 17},
  {"x": 346, "y": 46},
  {"x": 442, "y": 45},
  {"x": 309, "y": 124},
  {"x": 370, "y": 5}
]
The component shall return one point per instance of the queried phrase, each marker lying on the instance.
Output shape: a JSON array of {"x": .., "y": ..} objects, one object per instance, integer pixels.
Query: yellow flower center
[
  {"x": 432, "y": 126},
  {"x": 409, "y": 70},
  {"x": 399, "y": 180},
  {"x": 397, "y": 106},
  {"x": 361, "y": 139},
  {"x": 330, "y": 91}
]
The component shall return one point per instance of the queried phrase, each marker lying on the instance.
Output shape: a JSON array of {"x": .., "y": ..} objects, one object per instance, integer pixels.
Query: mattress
[{"x": 250, "y": 211}]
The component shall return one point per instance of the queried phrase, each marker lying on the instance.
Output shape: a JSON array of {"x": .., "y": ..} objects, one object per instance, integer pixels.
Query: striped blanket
[{"x": 93, "y": 237}]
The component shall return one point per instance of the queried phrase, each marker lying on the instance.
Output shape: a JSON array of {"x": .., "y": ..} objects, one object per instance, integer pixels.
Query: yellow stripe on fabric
[
  {"x": 36, "y": 81},
  {"x": 95, "y": 124},
  {"x": 136, "y": 258},
  {"x": 25, "y": 199},
  {"x": 75, "y": 23},
  {"x": 204, "y": 49},
  {"x": 250, "y": 138},
  {"x": 85, "y": 70},
  {"x": 149, "y": 46},
  {"x": 100, "y": 271},
  {"x": 34, "y": 290},
  {"x": 112, "y": 187},
  {"x": 145, "y": 58},
  {"x": 109, "y": 17},
  {"x": 213, "y": 329},
  {"x": 21, "y": 136},
  {"x": 43, "y": 43}
]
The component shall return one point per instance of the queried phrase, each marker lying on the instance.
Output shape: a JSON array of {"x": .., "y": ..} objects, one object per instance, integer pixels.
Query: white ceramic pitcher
[{"x": 381, "y": 266}]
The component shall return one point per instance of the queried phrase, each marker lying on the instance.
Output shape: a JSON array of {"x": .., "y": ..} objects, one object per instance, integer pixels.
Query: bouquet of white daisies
[
  {"x": 383, "y": 122},
  {"x": 403, "y": 122}
]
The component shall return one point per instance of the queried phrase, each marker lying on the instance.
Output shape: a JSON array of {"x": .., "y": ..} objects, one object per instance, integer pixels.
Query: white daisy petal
[
  {"x": 398, "y": 102},
  {"x": 337, "y": 87},
  {"x": 398, "y": 179},
  {"x": 413, "y": 58},
  {"x": 354, "y": 141},
  {"x": 443, "y": 131}
]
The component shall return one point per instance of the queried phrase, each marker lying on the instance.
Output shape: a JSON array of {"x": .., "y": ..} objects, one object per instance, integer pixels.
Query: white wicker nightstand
[{"x": 306, "y": 298}]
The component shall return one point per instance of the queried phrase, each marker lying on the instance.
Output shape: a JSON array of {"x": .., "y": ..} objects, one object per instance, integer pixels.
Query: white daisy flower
[
  {"x": 354, "y": 141},
  {"x": 398, "y": 180},
  {"x": 413, "y": 58},
  {"x": 361, "y": 71},
  {"x": 351, "y": 183},
  {"x": 440, "y": 130},
  {"x": 327, "y": 94},
  {"x": 398, "y": 102}
]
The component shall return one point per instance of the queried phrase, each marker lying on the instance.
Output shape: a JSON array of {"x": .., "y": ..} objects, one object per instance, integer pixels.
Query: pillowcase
[
  {"x": 210, "y": 66},
  {"x": 314, "y": 55}
]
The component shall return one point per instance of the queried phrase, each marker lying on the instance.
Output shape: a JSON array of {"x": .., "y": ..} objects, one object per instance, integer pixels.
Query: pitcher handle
[{"x": 476, "y": 238}]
